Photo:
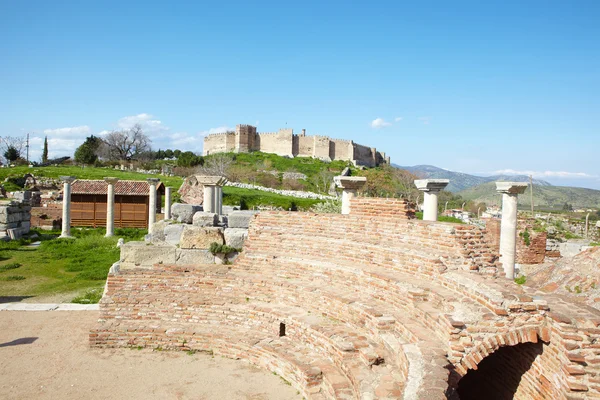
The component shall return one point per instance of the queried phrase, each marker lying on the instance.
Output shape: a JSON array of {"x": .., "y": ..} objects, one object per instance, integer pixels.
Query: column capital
[
  {"x": 207, "y": 180},
  {"x": 431, "y": 185},
  {"x": 110, "y": 180},
  {"x": 153, "y": 181},
  {"x": 511, "y": 187},
  {"x": 67, "y": 179},
  {"x": 350, "y": 182}
]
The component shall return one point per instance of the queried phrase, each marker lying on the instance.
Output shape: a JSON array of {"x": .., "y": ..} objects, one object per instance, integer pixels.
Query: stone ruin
[{"x": 366, "y": 305}]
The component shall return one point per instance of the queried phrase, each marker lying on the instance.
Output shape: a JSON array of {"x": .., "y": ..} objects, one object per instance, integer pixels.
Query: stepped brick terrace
[{"x": 364, "y": 306}]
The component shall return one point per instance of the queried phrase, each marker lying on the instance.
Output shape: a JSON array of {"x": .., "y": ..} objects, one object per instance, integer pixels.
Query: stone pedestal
[
  {"x": 430, "y": 189},
  {"x": 66, "y": 211},
  {"x": 350, "y": 186},
  {"x": 168, "y": 190},
  {"x": 110, "y": 206},
  {"x": 152, "y": 202},
  {"x": 508, "y": 227},
  {"x": 213, "y": 193}
]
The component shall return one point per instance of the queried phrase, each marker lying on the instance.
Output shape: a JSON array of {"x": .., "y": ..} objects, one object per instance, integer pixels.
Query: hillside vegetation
[{"x": 544, "y": 197}]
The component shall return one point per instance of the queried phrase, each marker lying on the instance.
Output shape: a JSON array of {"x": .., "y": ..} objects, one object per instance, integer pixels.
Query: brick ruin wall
[
  {"x": 532, "y": 253},
  {"x": 377, "y": 207},
  {"x": 49, "y": 217},
  {"x": 369, "y": 307},
  {"x": 286, "y": 143}
]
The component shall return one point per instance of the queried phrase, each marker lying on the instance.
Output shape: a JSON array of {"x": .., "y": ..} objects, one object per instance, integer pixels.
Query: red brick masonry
[{"x": 371, "y": 308}]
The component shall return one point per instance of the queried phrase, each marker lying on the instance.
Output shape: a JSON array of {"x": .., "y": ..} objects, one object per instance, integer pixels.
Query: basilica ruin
[
  {"x": 368, "y": 304},
  {"x": 285, "y": 143}
]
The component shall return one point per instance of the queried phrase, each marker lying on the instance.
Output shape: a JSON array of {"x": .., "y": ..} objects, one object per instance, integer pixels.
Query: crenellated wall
[{"x": 286, "y": 143}]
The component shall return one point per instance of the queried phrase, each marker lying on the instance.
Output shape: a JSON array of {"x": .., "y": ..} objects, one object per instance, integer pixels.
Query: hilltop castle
[{"x": 286, "y": 143}]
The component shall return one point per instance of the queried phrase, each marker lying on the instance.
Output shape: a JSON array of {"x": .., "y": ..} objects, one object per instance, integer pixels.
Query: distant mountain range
[
  {"x": 460, "y": 181},
  {"x": 480, "y": 188}
]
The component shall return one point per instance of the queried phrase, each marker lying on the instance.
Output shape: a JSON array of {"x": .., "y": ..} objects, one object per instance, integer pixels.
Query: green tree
[
  {"x": 189, "y": 159},
  {"x": 11, "y": 154},
  {"x": 87, "y": 152},
  {"x": 45, "y": 151}
]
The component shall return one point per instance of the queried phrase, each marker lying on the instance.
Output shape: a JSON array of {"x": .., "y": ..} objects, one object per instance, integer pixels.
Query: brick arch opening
[{"x": 501, "y": 375}]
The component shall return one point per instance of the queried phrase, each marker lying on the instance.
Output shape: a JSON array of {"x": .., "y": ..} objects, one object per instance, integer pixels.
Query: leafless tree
[
  {"x": 217, "y": 165},
  {"x": 13, "y": 142},
  {"x": 125, "y": 144}
]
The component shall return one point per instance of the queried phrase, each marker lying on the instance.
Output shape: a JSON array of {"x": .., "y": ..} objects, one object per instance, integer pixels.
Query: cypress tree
[{"x": 45, "y": 152}]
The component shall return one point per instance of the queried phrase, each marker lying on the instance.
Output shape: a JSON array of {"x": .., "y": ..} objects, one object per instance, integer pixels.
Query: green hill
[{"x": 544, "y": 197}]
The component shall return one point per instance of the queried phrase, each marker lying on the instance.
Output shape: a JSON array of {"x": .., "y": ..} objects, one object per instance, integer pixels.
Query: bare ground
[{"x": 45, "y": 355}]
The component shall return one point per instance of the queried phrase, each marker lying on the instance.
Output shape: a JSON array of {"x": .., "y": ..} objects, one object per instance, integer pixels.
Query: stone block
[
  {"x": 202, "y": 218},
  {"x": 140, "y": 254},
  {"x": 194, "y": 256},
  {"x": 173, "y": 233},
  {"x": 158, "y": 231},
  {"x": 184, "y": 213},
  {"x": 229, "y": 209},
  {"x": 241, "y": 219},
  {"x": 235, "y": 237},
  {"x": 195, "y": 237}
]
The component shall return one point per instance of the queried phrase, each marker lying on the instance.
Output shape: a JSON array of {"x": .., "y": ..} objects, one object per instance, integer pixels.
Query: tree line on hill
[{"x": 130, "y": 145}]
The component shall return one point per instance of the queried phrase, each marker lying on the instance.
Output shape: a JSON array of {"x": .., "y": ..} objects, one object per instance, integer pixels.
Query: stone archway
[{"x": 500, "y": 375}]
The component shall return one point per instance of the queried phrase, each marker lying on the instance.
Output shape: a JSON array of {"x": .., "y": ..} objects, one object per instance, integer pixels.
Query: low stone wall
[{"x": 15, "y": 219}]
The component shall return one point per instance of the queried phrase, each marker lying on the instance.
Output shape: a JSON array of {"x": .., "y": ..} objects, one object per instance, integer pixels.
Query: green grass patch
[
  {"x": 62, "y": 266},
  {"x": 91, "y": 296},
  {"x": 441, "y": 218},
  {"x": 14, "y": 173},
  {"x": 520, "y": 280},
  {"x": 233, "y": 196},
  {"x": 7, "y": 267},
  {"x": 14, "y": 278}
]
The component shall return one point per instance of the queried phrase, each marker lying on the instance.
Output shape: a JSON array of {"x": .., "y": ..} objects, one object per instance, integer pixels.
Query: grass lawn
[
  {"x": 61, "y": 266},
  {"x": 83, "y": 173},
  {"x": 233, "y": 196}
]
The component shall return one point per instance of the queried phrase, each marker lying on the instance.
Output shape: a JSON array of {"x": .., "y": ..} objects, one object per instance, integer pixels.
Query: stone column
[
  {"x": 66, "y": 211},
  {"x": 350, "y": 186},
  {"x": 152, "y": 203},
  {"x": 430, "y": 189},
  {"x": 110, "y": 206},
  {"x": 168, "y": 202},
  {"x": 508, "y": 226},
  {"x": 213, "y": 193},
  {"x": 219, "y": 200}
]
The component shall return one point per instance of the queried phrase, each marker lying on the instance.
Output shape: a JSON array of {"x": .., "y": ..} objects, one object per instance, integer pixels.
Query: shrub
[
  {"x": 328, "y": 207},
  {"x": 91, "y": 296},
  {"x": 520, "y": 280},
  {"x": 14, "y": 278}
]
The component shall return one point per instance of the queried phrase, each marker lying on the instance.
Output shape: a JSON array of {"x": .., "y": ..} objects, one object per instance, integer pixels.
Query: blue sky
[{"x": 476, "y": 87}]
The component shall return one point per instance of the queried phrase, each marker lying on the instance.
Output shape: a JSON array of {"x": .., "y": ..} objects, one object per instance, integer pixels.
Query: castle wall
[
  {"x": 285, "y": 143},
  {"x": 321, "y": 148},
  {"x": 341, "y": 149},
  {"x": 279, "y": 143},
  {"x": 305, "y": 146},
  {"x": 219, "y": 143},
  {"x": 363, "y": 155}
]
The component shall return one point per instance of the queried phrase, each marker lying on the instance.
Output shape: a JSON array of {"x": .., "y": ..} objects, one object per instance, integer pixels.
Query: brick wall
[
  {"x": 364, "y": 303},
  {"x": 534, "y": 253},
  {"x": 381, "y": 207},
  {"x": 46, "y": 217}
]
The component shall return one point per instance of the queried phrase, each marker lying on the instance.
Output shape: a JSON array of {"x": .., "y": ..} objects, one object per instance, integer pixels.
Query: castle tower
[{"x": 244, "y": 138}]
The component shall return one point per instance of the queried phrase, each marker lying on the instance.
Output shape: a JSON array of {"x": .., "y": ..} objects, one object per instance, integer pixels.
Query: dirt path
[{"x": 44, "y": 355}]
